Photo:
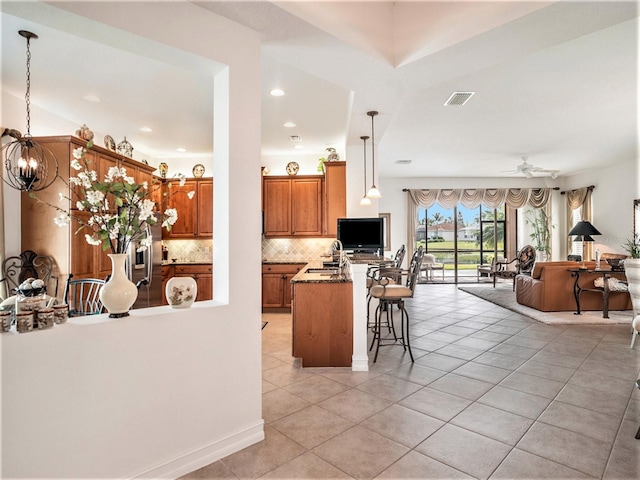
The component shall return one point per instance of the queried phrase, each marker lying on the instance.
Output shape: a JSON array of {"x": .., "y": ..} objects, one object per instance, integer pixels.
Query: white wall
[
  {"x": 164, "y": 391},
  {"x": 616, "y": 186}
]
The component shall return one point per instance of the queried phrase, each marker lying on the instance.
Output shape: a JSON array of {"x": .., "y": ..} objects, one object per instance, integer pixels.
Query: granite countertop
[{"x": 304, "y": 277}]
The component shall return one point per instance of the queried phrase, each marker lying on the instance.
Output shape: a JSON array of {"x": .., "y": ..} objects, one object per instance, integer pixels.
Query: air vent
[
  {"x": 403, "y": 162},
  {"x": 295, "y": 138},
  {"x": 459, "y": 98}
]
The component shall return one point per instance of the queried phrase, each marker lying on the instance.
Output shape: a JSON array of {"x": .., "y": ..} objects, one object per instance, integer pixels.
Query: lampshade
[{"x": 583, "y": 231}]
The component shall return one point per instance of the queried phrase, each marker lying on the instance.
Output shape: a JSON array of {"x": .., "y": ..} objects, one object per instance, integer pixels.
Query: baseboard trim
[{"x": 206, "y": 455}]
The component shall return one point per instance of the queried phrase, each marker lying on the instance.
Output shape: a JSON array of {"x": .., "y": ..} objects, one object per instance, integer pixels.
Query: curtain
[
  {"x": 470, "y": 198},
  {"x": 576, "y": 199},
  {"x": 587, "y": 215}
]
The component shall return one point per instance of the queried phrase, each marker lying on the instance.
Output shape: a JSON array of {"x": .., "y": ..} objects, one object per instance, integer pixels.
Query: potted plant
[{"x": 541, "y": 235}]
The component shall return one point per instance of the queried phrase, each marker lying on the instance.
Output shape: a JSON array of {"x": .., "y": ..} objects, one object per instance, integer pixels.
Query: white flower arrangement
[{"x": 116, "y": 226}]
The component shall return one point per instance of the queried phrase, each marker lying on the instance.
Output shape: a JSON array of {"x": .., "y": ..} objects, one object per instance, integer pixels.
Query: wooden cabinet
[
  {"x": 71, "y": 252},
  {"x": 335, "y": 195},
  {"x": 186, "y": 225},
  {"x": 276, "y": 284},
  {"x": 305, "y": 206},
  {"x": 195, "y": 215},
  {"x": 203, "y": 275},
  {"x": 293, "y": 206},
  {"x": 205, "y": 208},
  {"x": 323, "y": 324}
]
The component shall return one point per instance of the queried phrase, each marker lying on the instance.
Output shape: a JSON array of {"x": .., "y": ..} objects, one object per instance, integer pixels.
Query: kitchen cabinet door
[
  {"x": 306, "y": 207},
  {"x": 186, "y": 225},
  {"x": 272, "y": 290},
  {"x": 335, "y": 195},
  {"x": 205, "y": 208},
  {"x": 277, "y": 207},
  {"x": 276, "y": 284},
  {"x": 205, "y": 286}
]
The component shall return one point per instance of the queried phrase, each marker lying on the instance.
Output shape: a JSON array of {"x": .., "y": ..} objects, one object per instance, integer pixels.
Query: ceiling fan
[{"x": 529, "y": 170}]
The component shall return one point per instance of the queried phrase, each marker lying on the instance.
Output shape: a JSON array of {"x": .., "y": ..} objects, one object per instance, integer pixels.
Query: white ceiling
[{"x": 556, "y": 81}]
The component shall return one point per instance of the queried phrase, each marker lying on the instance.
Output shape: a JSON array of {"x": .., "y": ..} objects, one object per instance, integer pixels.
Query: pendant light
[
  {"x": 373, "y": 191},
  {"x": 28, "y": 165},
  {"x": 365, "y": 201}
]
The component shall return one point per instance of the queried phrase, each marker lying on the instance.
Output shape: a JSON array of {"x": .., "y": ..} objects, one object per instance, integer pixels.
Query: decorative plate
[
  {"x": 198, "y": 170},
  {"x": 110, "y": 143},
  {"x": 292, "y": 168}
]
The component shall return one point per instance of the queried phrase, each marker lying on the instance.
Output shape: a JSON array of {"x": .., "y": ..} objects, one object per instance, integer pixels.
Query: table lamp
[{"x": 583, "y": 231}]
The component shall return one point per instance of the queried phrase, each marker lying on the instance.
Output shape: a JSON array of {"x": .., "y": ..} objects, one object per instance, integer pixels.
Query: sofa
[{"x": 550, "y": 289}]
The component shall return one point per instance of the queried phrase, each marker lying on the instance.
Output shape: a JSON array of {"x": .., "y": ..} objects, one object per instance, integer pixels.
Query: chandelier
[{"x": 29, "y": 166}]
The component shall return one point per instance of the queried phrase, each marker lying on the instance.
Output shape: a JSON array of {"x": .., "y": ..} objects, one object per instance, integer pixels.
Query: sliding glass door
[{"x": 460, "y": 239}]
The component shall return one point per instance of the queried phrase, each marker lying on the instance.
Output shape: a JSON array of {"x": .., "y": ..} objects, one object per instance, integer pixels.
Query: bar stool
[
  {"x": 391, "y": 270},
  {"x": 390, "y": 294}
]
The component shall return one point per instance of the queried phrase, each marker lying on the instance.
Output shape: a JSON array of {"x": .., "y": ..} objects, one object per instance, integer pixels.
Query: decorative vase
[
  {"x": 181, "y": 291},
  {"x": 119, "y": 294},
  {"x": 632, "y": 272}
]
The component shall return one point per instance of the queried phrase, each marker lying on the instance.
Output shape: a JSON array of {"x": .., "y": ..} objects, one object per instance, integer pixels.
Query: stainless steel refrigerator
[{"x": 145, "y": 270}]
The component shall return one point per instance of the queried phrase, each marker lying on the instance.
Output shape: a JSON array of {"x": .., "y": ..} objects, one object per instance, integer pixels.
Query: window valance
[{"x": 474, "y": 197}]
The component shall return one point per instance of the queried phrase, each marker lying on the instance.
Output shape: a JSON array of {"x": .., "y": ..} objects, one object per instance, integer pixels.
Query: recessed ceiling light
[
  {"x": 181, "y": 150},
  {"x": 298, "y": 146},
  {"x": 92, "y": 98},
  {"x": 289, "y": 125},
  {"x": 146, "y": 129},
  {"x": 403, "y": 162},
  {"x": 276, "y": 92}
]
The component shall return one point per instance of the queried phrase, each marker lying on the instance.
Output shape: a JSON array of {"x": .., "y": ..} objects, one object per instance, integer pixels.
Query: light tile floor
[{"x": 492, "y": 394}]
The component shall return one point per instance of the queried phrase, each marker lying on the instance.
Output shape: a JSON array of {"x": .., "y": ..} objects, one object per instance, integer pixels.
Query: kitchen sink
[{"x": 323, "y": 271}]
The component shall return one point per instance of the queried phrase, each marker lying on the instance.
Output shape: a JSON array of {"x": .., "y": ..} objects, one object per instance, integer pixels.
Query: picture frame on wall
[{"x": 387, "y": 230}]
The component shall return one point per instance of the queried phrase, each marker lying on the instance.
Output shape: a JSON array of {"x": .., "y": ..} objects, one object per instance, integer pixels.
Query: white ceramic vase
[
  {"x": 632, "y": 272},
  {"x": 181, "y": 291},
  {"x": 119, "y": 294}
]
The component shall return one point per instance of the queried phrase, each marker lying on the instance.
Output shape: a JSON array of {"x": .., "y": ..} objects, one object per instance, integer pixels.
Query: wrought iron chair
[
  {"x": 390, "y": 294},
  {"x": 28, "y": 264},
  {"x": 83, "y": 296},
  {"x": 521, "y": 265}
]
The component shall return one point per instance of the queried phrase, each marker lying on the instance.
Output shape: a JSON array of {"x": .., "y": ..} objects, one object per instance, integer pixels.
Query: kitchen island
[{"x": 322, "y": 311}]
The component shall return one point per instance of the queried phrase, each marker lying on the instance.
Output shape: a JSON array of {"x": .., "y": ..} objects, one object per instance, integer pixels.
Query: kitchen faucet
[{"x": 342, "y": 259}]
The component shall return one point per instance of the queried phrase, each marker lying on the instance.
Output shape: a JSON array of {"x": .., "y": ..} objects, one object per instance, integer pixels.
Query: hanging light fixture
[
  {"x": 365, "y": 201},
  {"x": 373, "y": 191},
  {"x": 28, "y": 165}
]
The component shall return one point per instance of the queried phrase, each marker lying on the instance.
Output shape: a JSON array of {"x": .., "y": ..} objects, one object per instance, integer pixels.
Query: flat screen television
[{"x": 361, "y": 234}]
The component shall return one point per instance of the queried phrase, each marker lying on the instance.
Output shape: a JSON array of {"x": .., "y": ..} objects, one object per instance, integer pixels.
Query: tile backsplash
[
  {"x": 199, "y": 251},
  {"x": 294, "y": 249}
]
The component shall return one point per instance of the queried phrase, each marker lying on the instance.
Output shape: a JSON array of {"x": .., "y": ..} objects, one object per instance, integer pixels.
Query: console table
[{"x": 577, "y": 289}]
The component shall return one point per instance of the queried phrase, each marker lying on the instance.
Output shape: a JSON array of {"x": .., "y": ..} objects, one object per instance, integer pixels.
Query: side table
[{"x": 577, "y": 289}]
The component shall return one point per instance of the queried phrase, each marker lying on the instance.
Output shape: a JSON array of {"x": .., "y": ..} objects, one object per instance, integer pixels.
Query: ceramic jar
[
  {"x": 24, "y": 321},
  {"x": 31, "y": 303},
  {"x": 60, "y": 313},
  {"x": 44, "y": 318},
  {"x": 181, "y": 291},
  {"x": 6, "y": 318}
]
